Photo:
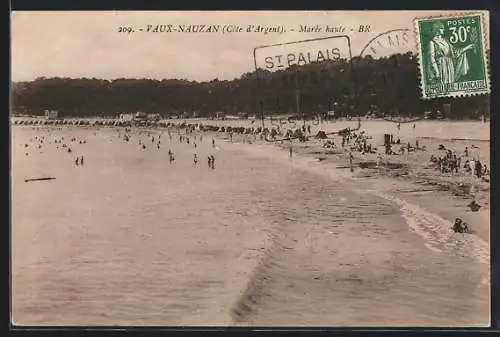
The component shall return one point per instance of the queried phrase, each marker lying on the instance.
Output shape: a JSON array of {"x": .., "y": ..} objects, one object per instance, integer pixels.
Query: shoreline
[
  {"x": 398, "y": 169},
  {"x": 401, "y": 173}
]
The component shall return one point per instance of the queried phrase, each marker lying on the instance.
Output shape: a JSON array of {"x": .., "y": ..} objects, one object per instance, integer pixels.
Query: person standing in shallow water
[
  {"x": 290, "y": 152},
  {"x": 81, "y": 160},
  {"x": 209, "y": 162}
]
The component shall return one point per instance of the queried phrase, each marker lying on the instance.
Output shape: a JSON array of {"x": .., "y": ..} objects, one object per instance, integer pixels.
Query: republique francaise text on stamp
[{"x": 452, "y": 56}]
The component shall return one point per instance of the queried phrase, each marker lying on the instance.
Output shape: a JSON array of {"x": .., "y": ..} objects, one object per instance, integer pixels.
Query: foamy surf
[{"x": 437, "y": 233}]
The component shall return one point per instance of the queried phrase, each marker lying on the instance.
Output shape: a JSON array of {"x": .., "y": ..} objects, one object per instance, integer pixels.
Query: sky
[{"x": 89, "y": 44}]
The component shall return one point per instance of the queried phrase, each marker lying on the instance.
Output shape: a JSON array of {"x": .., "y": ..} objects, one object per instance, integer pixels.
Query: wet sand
[{"x": 261, "y": 240}]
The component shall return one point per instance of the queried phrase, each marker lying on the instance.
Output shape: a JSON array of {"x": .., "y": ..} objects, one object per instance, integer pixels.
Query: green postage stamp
[{"x": 452, "y": 55}]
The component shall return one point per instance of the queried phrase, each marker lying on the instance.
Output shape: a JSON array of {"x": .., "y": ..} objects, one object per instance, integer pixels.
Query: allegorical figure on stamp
[{"x": 448, "y": 63}]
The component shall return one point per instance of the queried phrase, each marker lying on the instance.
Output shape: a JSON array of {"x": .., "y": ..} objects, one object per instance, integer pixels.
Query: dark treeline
[{"x": 386, "y": 86}]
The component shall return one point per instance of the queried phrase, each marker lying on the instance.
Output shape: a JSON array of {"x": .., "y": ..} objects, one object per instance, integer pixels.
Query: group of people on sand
[
  {"x": 360, "y": 142},
  {"x": 451, "y": 162}
]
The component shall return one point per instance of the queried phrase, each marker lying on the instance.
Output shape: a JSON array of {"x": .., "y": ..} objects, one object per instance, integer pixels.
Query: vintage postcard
[{"x": 252, "y": 168}]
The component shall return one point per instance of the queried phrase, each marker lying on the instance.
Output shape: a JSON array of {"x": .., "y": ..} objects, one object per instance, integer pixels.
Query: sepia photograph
[{"x": 250, "y": 168}]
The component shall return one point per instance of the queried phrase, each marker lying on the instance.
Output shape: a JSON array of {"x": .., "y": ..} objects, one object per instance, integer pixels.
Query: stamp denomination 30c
[{"x": 452, "y": 56}]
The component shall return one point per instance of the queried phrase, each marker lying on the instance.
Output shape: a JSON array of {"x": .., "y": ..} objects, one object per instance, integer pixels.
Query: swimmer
[{"x": 213, "y": 162}]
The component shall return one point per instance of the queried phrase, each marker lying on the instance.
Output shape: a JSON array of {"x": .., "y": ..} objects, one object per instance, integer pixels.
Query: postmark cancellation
[{"x": 452, "y": 52}]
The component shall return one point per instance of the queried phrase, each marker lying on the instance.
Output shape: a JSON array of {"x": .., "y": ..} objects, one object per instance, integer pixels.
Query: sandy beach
[{"x": 263, "y": 239}]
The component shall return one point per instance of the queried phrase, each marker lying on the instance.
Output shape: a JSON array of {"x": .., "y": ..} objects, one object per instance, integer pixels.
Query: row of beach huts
[{"x": 50, "y": 115}]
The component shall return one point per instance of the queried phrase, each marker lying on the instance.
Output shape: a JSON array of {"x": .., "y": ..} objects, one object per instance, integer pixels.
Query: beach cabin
[
  {"x": 140, "y": 116},
  {"x": 330, "y": 114},
  {"x": 126, "y": 117},
  {"x": 51, "y": 114}
]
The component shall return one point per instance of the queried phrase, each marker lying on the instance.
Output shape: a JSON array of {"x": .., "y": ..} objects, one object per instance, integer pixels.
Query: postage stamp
[{"x": 452, "y": 53}]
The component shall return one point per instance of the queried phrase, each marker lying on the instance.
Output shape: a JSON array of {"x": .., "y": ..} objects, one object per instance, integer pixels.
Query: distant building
[
  {"x": 51, "y": 114},
  {"x": 140, "y": 116},
  {"x": 126, "y": 117},
  {"x": 220, "y": 115}
]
